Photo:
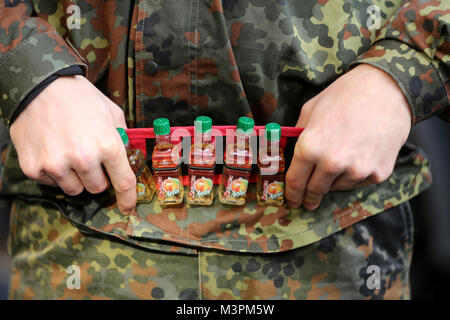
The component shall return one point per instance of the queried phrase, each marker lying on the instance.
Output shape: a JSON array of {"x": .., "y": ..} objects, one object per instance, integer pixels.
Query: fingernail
[
  {"x": 129, "y": 212},
  {"x": 292, "y": 205},
  {"x": 311, "y": 206}
]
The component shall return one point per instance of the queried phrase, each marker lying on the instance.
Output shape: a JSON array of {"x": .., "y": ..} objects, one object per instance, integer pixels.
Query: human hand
[
  {"x": 354, "y": 130},
  {"x": 67, "y": 136}
]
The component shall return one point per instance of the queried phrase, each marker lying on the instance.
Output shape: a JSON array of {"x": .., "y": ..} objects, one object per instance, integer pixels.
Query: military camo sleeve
[
  {"x": 30, "y": 51},
  {"x": 414, "y": 49}
]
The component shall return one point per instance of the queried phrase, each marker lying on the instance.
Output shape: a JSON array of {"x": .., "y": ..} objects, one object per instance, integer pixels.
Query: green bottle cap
[
  {"x": 161, "y": 126},
  {"x": 273, "y": 132},
  {"x": 203, "y": 124},
  {"x": 245, "y": 124},
  {"x": 123, "y": 135}
]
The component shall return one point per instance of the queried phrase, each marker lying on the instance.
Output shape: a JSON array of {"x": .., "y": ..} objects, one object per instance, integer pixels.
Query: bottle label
[
  {"x": 145, "y": 188},
  {"x": 140, "y": 188},
  {"x": 169, "y": 187},
  {"x": 202, "y": 187},
  {"x": 273, "y": 190},
  {"x": 236, "y": 188}
]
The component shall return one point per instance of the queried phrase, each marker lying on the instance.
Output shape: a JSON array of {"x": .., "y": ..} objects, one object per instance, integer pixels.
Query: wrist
[
  {"x": 413, "y": 71},
  {"x": 69, "y": 71},
  {"x": 385, "y": 84}
]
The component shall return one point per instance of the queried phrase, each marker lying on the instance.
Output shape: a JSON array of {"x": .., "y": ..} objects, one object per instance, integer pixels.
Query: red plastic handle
[
  {"x": 145, "y": 133},
  {"x": 138, "y": 136}
]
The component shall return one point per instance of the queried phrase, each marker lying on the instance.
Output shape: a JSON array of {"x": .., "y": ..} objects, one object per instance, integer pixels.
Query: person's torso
[{"x": 224, "y": 59}]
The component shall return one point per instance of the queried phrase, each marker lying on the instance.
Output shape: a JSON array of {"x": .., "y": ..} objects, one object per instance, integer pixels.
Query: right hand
[{"x": 67, "y": 136}]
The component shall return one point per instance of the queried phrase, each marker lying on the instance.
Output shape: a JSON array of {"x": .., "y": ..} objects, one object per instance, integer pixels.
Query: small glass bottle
[
  {"x": 145, "y": 187},
  {"x": 202, "y": 163},
  {"x": 166, "y": 167},
  {"x": 237, "y": 165},
  {"x": 271, "y": 166}
]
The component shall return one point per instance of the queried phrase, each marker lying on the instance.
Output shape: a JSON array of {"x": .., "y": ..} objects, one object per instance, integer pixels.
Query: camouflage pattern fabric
[
  {"x": 356, "y": 263},
  {"x": 249, "y": 228},
  {"x": 223, "y": 59}
]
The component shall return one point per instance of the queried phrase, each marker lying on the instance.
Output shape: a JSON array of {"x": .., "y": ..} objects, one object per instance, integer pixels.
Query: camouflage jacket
[{"x": 225, "y": 59}]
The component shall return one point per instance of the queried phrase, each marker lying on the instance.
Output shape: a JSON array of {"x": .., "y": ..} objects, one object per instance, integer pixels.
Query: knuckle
[
  {"x": 307, "y": 150},
  {"x": 290, "y": 180},
  {"x": 292, "y": 183},
  {"x": 308, "y": 105},
  {"x": 303, "y": 154},
  {"x": 127, "y": 184},
  {"x": 29, "y": 170},
  {"x": 291, "y": 195},
  {"x": 293, "y": 198},
  {"x": 55, "y": 168},
  {"x": 315, "y": 191},
  {"x": 332, "y": 165},
  {"x": 30, "y": 173},
  {"x": 73, "y": 190},
  {"x": 110, "y": 148},
  {"x": 118, "y": 113},
  {"x": 98, "y": 188},
  {"x": 357, "y": 174},
  {"x": 82, "y": 161},
  {"x": 381, "y": 175}
]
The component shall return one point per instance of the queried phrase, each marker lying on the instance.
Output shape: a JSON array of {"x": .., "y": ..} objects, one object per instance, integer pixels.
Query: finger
[
  {"x": 47, "y": 180},
  {"x": 123, "y": 180},
  {"x": 305, "y": 113},
  {"x": 117, "y": 115},
  {"x": 297, "y": 178},
  {"x": 318, "y": 185},
  {"x": 347, "y": 181},
  {"x": 119, "y": 119},
  {"x": 365, "y": 183},
  {"x": 69, "y": 182},
  {"x": 347, "y": 184},
  {"x": 93, "y": 178},
  {"x": 370, "y": 180},
  {"x": 304, "y": 117}
]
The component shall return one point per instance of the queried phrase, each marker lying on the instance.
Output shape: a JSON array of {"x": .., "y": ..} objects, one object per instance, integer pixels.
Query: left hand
[{"x": 354, "y": 130}]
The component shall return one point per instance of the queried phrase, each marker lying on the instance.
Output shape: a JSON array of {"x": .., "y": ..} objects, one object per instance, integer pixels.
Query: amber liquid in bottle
[
  {"x": 271, "y": 166},
  {"x": 236, "y": 171},
  {"x": 167, "y": 172},
  {"x": 145, "y": 186},
  {"x": 201, "y": 171}
]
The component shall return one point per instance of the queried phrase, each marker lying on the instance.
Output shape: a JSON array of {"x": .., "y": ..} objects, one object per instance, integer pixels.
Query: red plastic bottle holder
[{"x": 144, "y": 139}]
